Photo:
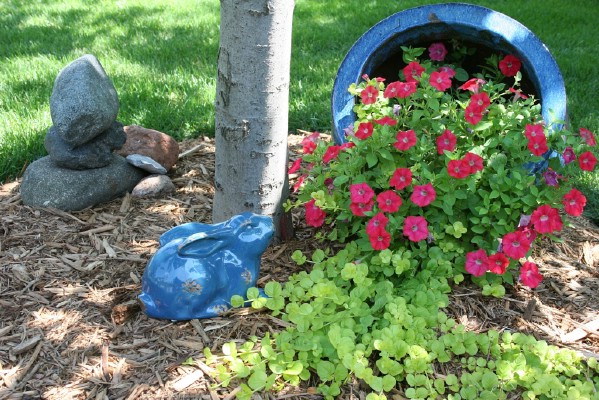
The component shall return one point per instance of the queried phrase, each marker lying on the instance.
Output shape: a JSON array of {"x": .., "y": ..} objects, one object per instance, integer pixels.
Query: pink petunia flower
[
  {"x": 389, "y": 201},
  {"x": 369, "y": 95},
  {"x": 588, "y": 137},
  {"x": 314, "y": 215},
  {"x": 298, "y": 184},
  {"x": 380, "y": 240},
  {"x": 440, "y": 81},
  {"x": 295, "y": 166},
  {"x": 415, "y": 228},
  {"x": 401, "y": 178},
  {"x": 364, "y": 130},
  {"x": 530, "y": 275},
  {"x": 437, "y": 51},
  {"x": 448, "y": 70},
  {"x": 386, "y": 120},
  {"x": 473, "y": 85},
  {"x": 551, "y": 177},
  {"x": 538, "y": 145},
  {"x": 347, "y": 145},
  {"x": 533, "y": 132},
  {"x": 458, "y": 169},
  {"x": 406, "y": 89},
  {"x": 510, "y": 65},
  {"x": 473, "y": 114},
  {"x": 518, "y": 94},
  {"x": 412, "y": 71},
  {"x": 359, "y": 209},
  {"x": 360, "y": 193},
  {"x": 515, "y": 244},
  {"x": 474, "y": 161},
  {"x": 405, "y": 140},
  {"x": 392, "y": 90},
  {"x": 574, "y": 202},
  {"x": 546, "y": 219},
  {"x": 423, "y": 195},
  {"x": 379, "y": 221},
  {"x": 587, "y": 161},
  {"x": 569, "y": 155},
  {"x": 477, "y": 262},
  {"x": 447, "y": 141},
  {"x": 498, "y": 263},
  {"x": 331, "y": 153},
  {"x": 310, "y": 142},
  {"x": 480, "y": 100}
]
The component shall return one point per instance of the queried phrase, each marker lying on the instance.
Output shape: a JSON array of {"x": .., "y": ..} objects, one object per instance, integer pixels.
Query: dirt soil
[{"x": 71, "y": 328}]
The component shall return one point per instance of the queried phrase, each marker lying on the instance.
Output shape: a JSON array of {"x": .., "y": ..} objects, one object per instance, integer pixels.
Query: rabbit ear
[{"x": 204, "y": 244}]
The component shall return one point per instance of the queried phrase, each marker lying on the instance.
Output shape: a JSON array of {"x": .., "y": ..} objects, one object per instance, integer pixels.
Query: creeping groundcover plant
[{"x": 445, "y": 174}]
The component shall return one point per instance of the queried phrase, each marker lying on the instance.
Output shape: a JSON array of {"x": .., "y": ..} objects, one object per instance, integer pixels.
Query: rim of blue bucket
[{"x": 475, "y": 24}]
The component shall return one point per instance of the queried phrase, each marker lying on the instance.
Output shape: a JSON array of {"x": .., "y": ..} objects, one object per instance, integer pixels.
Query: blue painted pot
[{"x": 418, "y": 27}]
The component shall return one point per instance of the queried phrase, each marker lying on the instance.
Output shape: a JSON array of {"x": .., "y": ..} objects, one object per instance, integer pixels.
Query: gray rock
[
  {"x": 84, "y": 102},
  {"x": 47, "y": 185},
  {"x": 146, "y": 163},
  {"x": 154, "y": 186},
  {"x": 96, "y": 153}
]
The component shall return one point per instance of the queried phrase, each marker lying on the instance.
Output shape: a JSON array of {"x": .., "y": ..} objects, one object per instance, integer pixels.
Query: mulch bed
[{"x": 70, "y": 326}]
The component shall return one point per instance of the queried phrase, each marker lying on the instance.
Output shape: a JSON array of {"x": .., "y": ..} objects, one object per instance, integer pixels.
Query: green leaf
[
  {"x": 273, "y": 289},
  {"x": 371, "y": 159},
  {"x": 237, "y": 301},
  {"x": 294, "y": 368},
  {"x": 325, "y": 370},
  {"x": 258, "y": 379},
  {"x": 299, "y": 257},
  {"x": 253, "y": 293}
]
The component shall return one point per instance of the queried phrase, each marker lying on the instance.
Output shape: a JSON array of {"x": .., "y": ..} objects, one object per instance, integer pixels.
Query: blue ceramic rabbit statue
[{"x": 199, "y": 267}]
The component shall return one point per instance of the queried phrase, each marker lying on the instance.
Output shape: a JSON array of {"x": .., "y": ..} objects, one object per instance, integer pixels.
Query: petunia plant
[{"x": 456, "y": 169}]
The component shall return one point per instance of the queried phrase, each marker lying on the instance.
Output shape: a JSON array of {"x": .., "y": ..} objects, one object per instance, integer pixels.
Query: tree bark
[{"x": 252, "y": 105}]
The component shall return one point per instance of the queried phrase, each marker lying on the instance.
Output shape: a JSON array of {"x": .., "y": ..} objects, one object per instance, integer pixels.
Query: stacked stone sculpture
[{"x": 81, "y": 169}]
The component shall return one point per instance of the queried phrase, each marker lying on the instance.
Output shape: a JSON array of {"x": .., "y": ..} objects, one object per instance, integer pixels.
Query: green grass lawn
[{"x": 161, "y": 56}]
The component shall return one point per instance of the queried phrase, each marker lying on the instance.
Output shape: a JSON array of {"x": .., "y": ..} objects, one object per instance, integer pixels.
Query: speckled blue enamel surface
[
  {"x": 199, "y": 267},
  {"x": 467, "y": 22}
]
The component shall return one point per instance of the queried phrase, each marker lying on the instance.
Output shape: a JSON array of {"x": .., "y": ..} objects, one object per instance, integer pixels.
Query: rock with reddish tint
[
  {"x": 96, "y": 153},
  {"x": 159, "y": 146},
  {"x": 154, "y": 186}
]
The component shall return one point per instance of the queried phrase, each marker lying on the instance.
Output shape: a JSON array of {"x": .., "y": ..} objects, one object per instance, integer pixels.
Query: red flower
[
  {"x": 415, "y": 228},
  {"x": 515, "y": 244},
  {"x": 314, "y": 215},
  {"x": 423, "y": 195},
  {"x": 386, "y": 120},
  {"x": 299, "y": 183},
  {"x": 347, "y": 145},
  {"x": 392, "y": 90},
  {"x": 473, "y": 114},
  {"x": 380, "y": 240},
  {"x": 406, "y": 89},
  {"x": 389, "y": 201},
  {"x": 510, "y": 65},
  {"x": 309, "y": 143},
  {"x": 473, "y": 85},
  {"x": 358, "y": 209},
  {"x": 295, "y": 166},
  {"x": 448, "y": 70},
  {"x": 474, "y": 161},
  {"x": 477, "y": 262},
  {"x": 569, "y": 155},
  {"x": 440, "y": 81},
  {"x": 369, "y": 95},
  {"x": 402, "y": 178},
  {"x": 529, "y": 275},
  {"x": 546, "y": 219},
  {"x": 360, "y": 193},
  {"x": 364, "y": 130},
  {"x": 331, "y": 153},
  {"x": 574, "y": 202},
  {"x": 518, "y": 94},
  {"x": 376, "y": 223},
  {"x": 538, "y": 145},
  {"x": 405, "y": 140},
  {"x": 498, "y": 263},
  {"x": 587, "y": 161},
  {"x": 412, "y": 70},
  {"x": 437, "y": 51},
  {"x": 533, "y": 132},
  {"x": 480, "y": 100},
  {"x": 446, "y": 141},
  {"x": 588, "y": 137},
  {"x": 458, "y": 169}
]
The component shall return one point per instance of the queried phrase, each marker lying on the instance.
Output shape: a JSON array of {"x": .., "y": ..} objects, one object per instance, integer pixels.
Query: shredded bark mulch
[{"x": 71, "y": 328}]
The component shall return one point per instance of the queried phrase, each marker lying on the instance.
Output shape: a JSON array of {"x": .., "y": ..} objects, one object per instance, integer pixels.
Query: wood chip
[
  {"x": 187, "y": 380},
  {"x": 582, "y": 331},
  {"x": 26, "y": 345}
]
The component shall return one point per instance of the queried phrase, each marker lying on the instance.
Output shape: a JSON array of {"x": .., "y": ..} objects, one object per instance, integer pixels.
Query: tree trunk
[{"x": 252, "y": 104}]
